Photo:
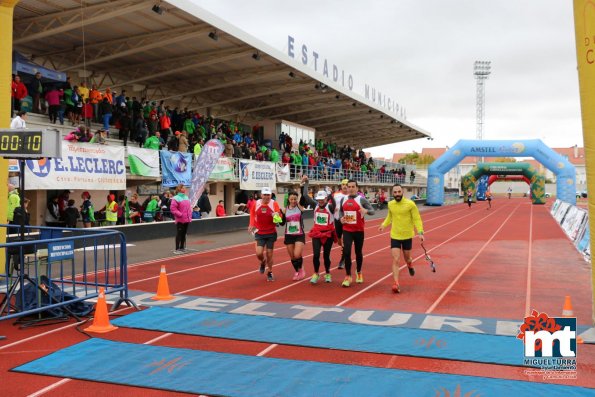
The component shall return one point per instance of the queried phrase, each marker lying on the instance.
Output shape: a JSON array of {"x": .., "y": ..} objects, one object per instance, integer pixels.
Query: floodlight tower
[{"x": 481, "y": 71}]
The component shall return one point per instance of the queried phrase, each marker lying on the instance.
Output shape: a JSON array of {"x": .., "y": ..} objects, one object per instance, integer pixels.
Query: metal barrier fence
[{"x": 54, "y": 269}]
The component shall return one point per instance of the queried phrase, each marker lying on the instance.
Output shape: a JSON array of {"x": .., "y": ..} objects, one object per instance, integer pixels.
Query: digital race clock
[{"x": 31, "y": 144}]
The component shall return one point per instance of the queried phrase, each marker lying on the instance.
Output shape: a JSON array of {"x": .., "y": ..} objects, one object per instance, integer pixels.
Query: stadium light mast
[{"x": 481, "y": 71}]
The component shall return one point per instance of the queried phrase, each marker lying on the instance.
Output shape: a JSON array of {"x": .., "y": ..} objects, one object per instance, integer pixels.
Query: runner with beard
[{"x": 404, "y": 216}]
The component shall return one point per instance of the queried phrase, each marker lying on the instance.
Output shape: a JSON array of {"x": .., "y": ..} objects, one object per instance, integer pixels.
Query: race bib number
[
  {"x": 293, "y": 227},
  {"x": 351, "y": 217},
  {"x": 321, "y": 219}
]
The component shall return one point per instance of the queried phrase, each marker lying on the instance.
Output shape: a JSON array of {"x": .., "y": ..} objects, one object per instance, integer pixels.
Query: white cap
[
  {"x": 321, "y": 195},
  {"x": 265, "y": 190}
]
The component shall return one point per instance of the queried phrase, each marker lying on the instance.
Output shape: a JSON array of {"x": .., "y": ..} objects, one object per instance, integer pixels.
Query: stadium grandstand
[{"x": 172, "y": 66}]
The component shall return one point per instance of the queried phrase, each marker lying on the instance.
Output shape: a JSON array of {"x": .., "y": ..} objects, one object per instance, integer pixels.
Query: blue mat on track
[
  {"x": 352, "y": 337},
  {"x": 222, "y": 374}
]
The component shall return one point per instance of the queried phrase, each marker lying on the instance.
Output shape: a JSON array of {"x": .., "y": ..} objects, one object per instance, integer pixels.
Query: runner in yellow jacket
[{"x": 404, "y": 216}]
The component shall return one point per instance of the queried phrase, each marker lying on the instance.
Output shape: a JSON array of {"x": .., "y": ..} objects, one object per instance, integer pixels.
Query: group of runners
[{"x": 338, "y": 218}]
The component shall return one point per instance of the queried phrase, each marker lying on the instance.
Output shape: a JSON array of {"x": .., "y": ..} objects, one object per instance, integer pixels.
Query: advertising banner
[
  {"x": 82, "y": 166},
  {"x": 254, "y": 175},
  {"x": 204, "y": 165},
  {"x": 223, "y": 169},
  {"x": 175, "y": 168},
  {"x": 143, "y": 162}
]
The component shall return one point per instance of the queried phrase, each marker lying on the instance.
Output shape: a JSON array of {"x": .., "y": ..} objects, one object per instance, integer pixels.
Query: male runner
[
  {"x": 404, "y": 215},
  {"x": 353, "y": 209},
  {"x": 264, "y": 216}
]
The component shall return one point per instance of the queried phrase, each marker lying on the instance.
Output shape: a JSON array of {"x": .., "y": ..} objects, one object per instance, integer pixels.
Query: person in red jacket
[
  {"x": 264, "y": 217},
  {"x": 18, "y": 91},
  {"x": 220, "y": 211}
]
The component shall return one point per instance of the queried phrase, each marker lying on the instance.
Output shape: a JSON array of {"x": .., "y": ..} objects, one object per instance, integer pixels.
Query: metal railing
[{"x": 53, "y": 269}]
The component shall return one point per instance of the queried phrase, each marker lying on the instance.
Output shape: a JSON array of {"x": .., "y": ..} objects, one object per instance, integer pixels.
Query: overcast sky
[{"x": 421, "y": 54}]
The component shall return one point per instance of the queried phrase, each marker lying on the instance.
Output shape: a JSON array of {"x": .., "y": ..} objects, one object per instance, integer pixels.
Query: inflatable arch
[
  {"x": 526, "y": 170},
  {"x": 564, "y": 171}
]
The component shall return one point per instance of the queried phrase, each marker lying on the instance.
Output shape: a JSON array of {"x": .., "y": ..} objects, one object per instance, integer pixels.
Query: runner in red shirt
[
  {"x": 264, "y": 217},
  {"x": 353, "y": 209}
]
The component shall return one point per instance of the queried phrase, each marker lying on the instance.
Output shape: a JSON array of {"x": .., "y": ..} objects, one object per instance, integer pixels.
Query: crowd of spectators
[{"x": 156, "y": 125}]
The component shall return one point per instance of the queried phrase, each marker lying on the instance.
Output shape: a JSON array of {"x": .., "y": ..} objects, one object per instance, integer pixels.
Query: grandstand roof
[{"x": 173, "y": 56}]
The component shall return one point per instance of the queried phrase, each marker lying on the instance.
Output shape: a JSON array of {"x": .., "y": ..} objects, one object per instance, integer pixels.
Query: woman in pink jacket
[{"x": 182, "y": 212}]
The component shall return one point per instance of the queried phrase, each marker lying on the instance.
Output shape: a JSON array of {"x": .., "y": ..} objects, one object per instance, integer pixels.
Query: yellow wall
[{"x": 584, "y": 25}]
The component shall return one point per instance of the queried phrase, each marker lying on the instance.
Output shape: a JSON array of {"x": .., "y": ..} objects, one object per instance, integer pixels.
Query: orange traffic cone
[
  {"x": 163, "y": 287},
  {"x": 101, "y": 322},
  {"x": 568, "y": 312}
]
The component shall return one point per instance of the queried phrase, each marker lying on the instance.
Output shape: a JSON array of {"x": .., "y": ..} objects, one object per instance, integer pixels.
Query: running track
[{"x": 499, "y": 263}]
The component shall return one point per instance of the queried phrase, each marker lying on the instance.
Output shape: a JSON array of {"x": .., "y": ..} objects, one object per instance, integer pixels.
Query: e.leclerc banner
[
  {"x": 204, "y": 165},
  {"x": 82, "y": 166},
  {"x": 254, "y": 175}
]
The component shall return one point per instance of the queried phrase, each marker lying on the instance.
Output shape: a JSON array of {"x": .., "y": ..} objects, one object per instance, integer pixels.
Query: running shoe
[
  {"x": 396, "y": 288},
  {"x": 178, "y": 252},
  {"x": 270, "y": 276},
  {"x": 262, "y": 266},
  {"x": 411, "y": 270},
  {"x": 296, "y": 276},
  {"x": 341, "y": 264},
  {"x": 346, "y": 281},
  {"x": 314, "y": 278},
  {"x": 301, "y": 274},
  {"x": 359, "y": 277},
  {"x": 327, "y": 278}
]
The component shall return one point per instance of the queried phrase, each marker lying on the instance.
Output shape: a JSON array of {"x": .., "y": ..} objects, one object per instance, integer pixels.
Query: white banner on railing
[
  {"x": 254, "y": 175},
  {"x": 283, "y": 172},
  {"x": 82, "y": 166},
  {"x": 144, "y": 162},
  {"x": 223, "y": 169}
]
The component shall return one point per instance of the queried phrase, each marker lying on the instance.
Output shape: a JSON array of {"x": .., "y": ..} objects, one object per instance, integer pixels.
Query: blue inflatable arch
[{"x": 564, "y": 171}]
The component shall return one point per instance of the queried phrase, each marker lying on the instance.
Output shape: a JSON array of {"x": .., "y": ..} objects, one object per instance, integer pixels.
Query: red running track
[{"x": 497, "y": 263}]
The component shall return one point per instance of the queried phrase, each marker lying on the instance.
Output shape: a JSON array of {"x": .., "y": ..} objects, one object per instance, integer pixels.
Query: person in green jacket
[
  {"x": 274, "y": 156},
  {"x": 153, "y": 141},
  {"x": 14, "y": 201},
  {"x": 151, "y": 210},
  {"x": 189, "y": 126}
]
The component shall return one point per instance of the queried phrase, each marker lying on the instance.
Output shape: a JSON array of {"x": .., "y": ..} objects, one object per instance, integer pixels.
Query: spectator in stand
[
  {"x": 71, "y": 214},
  {"x": 105, "y": 109},
  {"x": 19, "y": 121},
  {"x": 96, "y": 98},
  {"x": 125, "y": 125},
  {"x": 412, "y": 176},
  {"x": 198, "y": 148},
  {"x": 282, "y": 141},
  {"x": 141, "y": 131},
  {"x": 108, "y": 96},
  {"x": 18, "y": 91},
  {"x": 84, "y": 91},
  {"x": 174, "y": 143},
  {"x": 228, "y": 148},
  {"x": 99, "y": 137},
  {"x": 220, "y": 210},
  {"x": 72, "y": 136},
  {"x": 183, "y": 141},
  {"x": 165, "y": 126},
  {"x": 36, "y": 91},
  {"x": 85, "y": 135},
  {"x": 87, "y": 112},
  {"x": 53, "y": 98},
  {"x": 204, "y": 204},
  {"x": 153, "y": 142}
]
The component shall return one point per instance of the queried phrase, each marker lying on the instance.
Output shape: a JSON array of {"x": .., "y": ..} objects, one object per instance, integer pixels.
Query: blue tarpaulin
[{"x": 20, "y": 64}]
